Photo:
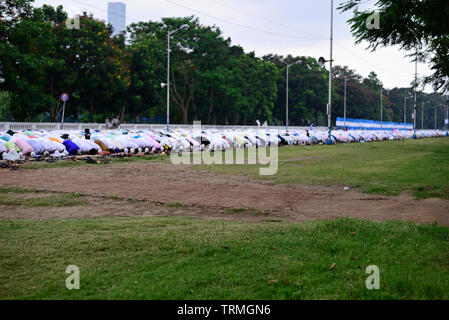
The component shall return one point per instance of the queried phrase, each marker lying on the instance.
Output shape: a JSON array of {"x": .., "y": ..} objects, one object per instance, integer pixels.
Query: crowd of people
[
  {"x": 56, "y": 144},
  {"x": 114, "y": 124}
]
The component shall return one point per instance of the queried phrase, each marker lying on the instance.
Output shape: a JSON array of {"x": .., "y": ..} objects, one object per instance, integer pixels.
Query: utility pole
[
  {"x": 346, "y": 80},
  {"x": 414, "y": 100},
  {"x": 422, "y": 116},
  {"x": 447, "y": 119},
  {"x": 286, "y": 103},
  {"x": 168, "y": 80},
  {"x": 169, "y": 34},
  {"x": 435, "y": 117},
  {"x": 321, "y": 62},
  {"x": 286, "y": 93},
  {"x": 405, "y": 110},
  {"x": 329, "y": 106},
  {"x": 381, "y": 108}
]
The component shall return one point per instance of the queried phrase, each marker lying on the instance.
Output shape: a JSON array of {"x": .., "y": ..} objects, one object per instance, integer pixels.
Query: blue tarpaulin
[{"x": 359, "y": 124}]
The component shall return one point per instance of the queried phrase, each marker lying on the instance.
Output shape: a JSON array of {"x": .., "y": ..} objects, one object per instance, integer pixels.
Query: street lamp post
[
  {"x": 435, "y": 117},
  {"x": 286, "y": 94},
  {"x": 4, "y": 108},
  {"x": 169, "y": 34},
  {"x": 329, "y": 111},
  {"x": 410, "y": 95},
  {"x": 405, "y": 111},
  {"x": 346, "y": 80},
  {"x": 422, "y": 116},
  {"x": 446, "y": 120},
  {"x": 322, "y": 61},
  {"x": 381, "y": 109},
  {"x": 414, "y": 99}
]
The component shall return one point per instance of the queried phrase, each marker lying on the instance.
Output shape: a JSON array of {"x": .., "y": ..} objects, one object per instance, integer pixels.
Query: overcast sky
[{"x": 297, "y": 27}]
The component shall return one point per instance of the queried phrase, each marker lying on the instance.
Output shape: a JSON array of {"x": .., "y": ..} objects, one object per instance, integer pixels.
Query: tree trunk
[
  {"x": 211, "y": 106},
  {"x": 195, "y": 114},
  {"x": 54, "y": 112},
  {"x": 123, "y": 114},
  {"x": 185, "y": 119}
]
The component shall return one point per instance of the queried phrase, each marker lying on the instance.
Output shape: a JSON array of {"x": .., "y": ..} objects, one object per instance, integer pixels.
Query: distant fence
[
  {"x": 357, "y": 124},
  {"x": 48, "y": 126}
]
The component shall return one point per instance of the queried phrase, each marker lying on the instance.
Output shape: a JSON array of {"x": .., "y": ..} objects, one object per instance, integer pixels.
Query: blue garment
[
  {"x": 71, "y": 147},
  {"x": 37, "y": 147}
]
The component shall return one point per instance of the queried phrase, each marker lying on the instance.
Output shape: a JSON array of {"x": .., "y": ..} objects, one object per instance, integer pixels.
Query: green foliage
[
  {"x": 211, "y": 79},
  {"x": 63, "y": 200},
  {"x": 414, "y": 25},
  {"x": 5, "y": 104},
  {"x": 185, "y": 258}
]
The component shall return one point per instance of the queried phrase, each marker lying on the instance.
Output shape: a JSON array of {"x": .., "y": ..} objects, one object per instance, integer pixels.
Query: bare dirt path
[{"x": 140, "y": 186}]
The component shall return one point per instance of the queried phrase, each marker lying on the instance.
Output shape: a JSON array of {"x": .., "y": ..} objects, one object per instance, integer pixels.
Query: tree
[
  {"x": 22, "y": 62},
  {"x": 55, "y": 80},
  {"x": 101, "y": 64},
  {"x": 308, "y": 87},
  {"x": 4, "y": 105},
  {"x": 421, "y": 27},
  {"x": 145, "y": 96}
]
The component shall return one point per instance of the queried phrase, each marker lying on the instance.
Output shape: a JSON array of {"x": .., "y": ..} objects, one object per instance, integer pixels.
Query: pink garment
[
  {"x": 23, "y": 146},
  {"x": 193, "y": 142},
  {"x": 154, "y": 142}
]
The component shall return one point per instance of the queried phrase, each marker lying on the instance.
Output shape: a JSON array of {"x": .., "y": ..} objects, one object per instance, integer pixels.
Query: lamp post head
[
  {"x": 184, "y": 26},
  {"x": 321, "y": 61},
  {"x": 292, "y": 64}
]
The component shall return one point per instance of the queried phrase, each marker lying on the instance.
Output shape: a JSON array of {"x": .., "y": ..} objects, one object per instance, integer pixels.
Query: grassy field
[
  {"x": 13, "y": 196},
  {"x": 420, "y": 167},
  {"x": 186, "y": 258},
  {"x": 68, "y": 163}
]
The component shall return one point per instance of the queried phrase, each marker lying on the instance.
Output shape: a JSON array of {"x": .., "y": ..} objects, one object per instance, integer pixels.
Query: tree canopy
[
  {"x": 212, "y": 80},
  {"x": 420, "y": 27}
]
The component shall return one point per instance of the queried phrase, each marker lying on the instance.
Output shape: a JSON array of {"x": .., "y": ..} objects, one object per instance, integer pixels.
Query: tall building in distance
[{"x": 117, "y": 16}]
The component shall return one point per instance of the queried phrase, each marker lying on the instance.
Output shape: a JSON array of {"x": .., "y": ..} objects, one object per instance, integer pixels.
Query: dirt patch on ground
[{"x": 145, "y": 189}]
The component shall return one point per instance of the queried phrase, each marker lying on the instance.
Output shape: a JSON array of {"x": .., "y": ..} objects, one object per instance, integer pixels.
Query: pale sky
[{"x": 300, "y": 27}]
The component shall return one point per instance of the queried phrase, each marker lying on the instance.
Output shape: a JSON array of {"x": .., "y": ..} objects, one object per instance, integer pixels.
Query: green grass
[
  {"x": 419, "y": 167},
  {"x": 185, "y": 258},
  {"x": 174, "y": 205},
  {"x": 56, "y": 164},
  {"x": 17, "y": 190},
  {"x": 70, "y": 163},
  {"x": 250, "y": 211},
  {"x": 60, "y": 200}
]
